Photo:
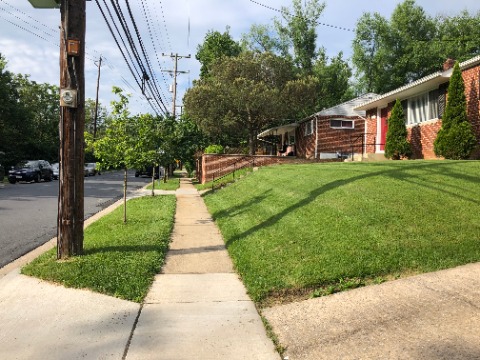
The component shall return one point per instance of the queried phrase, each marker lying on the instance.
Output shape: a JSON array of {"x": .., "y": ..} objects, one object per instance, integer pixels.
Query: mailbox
[{"x": 45, "y": 4}]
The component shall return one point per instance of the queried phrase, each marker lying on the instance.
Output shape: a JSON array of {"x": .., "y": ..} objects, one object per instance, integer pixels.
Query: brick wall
[
  {"x": 471, "y": 78},
  {"x": 371, "y": 136},
  {"x": 421, "y": 137},
  {"x": 216, "y": 165},
  {"x": 329, "y": 140}
]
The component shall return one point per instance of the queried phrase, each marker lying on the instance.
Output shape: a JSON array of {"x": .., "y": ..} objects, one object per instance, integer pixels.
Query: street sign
[{"x": 45, "y": 4}]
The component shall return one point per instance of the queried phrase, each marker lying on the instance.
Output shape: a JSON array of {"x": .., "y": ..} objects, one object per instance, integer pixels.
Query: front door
[{"x": 383, "y": 128}]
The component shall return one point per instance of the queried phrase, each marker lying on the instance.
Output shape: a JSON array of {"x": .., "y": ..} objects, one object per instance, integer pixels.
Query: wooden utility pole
[
  {"x": 176, "y": 57},
  {"x": 96, "y": 101},
  {"x": 72, "y": 124}
]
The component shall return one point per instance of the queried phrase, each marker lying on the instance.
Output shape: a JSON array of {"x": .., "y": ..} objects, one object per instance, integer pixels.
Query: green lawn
[
  {"x": 322, "y": 228},
  {"x": 171, "y": 184},
  {"x": 120, "y": 259}
]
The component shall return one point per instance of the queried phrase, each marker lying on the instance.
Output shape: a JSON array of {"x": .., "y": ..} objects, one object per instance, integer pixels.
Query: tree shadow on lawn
[
  {"x": 240, "y": 208},
  {"x": 125, "y": 249},
  {"x": 397, "y": 172}
]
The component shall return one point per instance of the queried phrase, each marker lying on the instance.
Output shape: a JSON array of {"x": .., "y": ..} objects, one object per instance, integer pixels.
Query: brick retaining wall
[{"x": 217, "y": 165}]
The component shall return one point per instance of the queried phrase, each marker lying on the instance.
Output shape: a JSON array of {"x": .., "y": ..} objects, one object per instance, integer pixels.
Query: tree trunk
[
  {"x": 153, "y": 181},
  {"x": 251, "y": 142},
  {"x": 125, "y": 196}
]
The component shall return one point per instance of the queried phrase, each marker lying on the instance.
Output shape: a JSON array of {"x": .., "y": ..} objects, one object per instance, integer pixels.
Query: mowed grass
[
  {"x": 171, "y": 184},
  {"x": 119, "y": 259},
  {"x": 327, "y": 227}
]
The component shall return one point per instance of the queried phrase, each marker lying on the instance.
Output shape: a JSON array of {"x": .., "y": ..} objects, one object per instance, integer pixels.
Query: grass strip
[
  {"x": 324, "y": 228},
  {"x": 119, "y": 259},
  {"x": 171, "y": 184}
]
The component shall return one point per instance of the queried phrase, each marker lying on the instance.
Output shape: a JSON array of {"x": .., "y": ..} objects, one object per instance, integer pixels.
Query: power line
[{"x": 318, "y": 23}]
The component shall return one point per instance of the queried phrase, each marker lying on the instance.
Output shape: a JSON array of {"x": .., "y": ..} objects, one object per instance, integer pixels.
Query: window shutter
[
  {"x": 433, "y": 103},
  {"x": 442, "y": 99},
  {"x": 405, "y": 110}
]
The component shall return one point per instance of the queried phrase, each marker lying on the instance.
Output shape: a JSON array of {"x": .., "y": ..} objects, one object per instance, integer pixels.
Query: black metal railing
[{"x": 237, "y": 164}]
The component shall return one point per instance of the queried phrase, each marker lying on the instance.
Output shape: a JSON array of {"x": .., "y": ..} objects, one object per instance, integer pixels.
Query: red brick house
[
  {"x": 335, "y": 132},
  {"x": 423, "y": 103}
]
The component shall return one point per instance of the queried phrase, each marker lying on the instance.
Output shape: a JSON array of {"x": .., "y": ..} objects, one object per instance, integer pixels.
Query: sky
[{"x": 29, "y": 37}]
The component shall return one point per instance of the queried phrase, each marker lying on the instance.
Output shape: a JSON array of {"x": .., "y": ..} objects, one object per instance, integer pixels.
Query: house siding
[
  {"x": 329, "y": 140},
  {"x": 421, "y": 138},
  {"x": 371, "y": 132},
  {"x": 423, "y": 135},
  {"x": 471, "y": 78}
]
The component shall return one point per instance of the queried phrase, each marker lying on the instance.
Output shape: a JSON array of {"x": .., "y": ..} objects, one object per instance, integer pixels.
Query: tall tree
[
  {"x": 243, "y": 94},
  {"x": 390, "y": 53},
  {"x": 459, "y": 36},
  {"x": 333, "y": 79},
  {"x": 16, "y": 127},
  {"x": 42, "y": 104},
  {"x": 116, "y": 149},
  {"x": 396, "y": 144},
  {"x": 260, "y": 38},
  {"x": 215, "y": 46},
  {"x": 300, "y": 31},
  {"x": 455, "y": 140}
]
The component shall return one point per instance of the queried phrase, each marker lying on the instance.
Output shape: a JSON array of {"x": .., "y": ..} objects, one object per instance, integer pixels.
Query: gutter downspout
[
  {"x": 316, "y": 137},
  {"x": 364, "y": 150}
]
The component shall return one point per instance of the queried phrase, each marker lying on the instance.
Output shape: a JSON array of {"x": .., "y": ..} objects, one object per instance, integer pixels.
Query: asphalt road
[{"x": 28, "y": 211}]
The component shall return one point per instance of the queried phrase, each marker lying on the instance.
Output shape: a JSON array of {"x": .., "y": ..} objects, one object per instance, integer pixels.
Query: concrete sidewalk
[
  {"x": 196, "y": 309},
  {"x": 433, "y": 316}
]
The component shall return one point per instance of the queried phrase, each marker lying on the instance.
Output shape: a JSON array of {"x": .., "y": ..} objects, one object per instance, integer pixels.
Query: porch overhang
[{"x": 278, "y": 130}]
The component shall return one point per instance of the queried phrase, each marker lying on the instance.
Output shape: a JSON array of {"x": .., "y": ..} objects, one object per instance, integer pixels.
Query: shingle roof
[{"x": 345, "y": 109}]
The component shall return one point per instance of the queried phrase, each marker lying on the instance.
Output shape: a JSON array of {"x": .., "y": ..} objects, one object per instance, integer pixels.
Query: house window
[
  {"x": 423, "y": 108},
  {"x": 342, "y": 124},
  {"x": 309, "y": 127}
]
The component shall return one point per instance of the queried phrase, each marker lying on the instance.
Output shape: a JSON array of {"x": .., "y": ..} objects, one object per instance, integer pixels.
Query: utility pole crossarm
[{"x": 175, "y": 71}]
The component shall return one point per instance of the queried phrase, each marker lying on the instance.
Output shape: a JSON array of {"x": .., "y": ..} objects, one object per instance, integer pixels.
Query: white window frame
[
  {"x": 342, "y": 126},
  {"x": 309, "y": 128},
  {"x": 423, "y": 113}
]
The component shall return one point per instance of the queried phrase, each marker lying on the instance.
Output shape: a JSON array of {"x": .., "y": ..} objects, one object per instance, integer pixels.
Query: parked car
[
  {"x": 148, "y": 172},
  {"x": 91, "y": 169},
  {"x": 31, "y": 170},
  {"x": 55, "y": 168}
]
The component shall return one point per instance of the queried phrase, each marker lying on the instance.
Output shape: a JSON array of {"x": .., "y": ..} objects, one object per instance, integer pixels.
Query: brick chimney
[{"x": 448, "y": 64}]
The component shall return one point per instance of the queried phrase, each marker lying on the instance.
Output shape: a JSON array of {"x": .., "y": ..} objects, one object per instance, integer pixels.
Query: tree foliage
[
  {"x": 124, "y": 142},
  {"x": 388, "y": 53},
  {"x": 459, "y": 35},
  {"x": 244, "y": 94},
  {"x": 455, "y": 140},
  {"x": 29, "y": 115},
  {"x": 215, "y": 46},
  {"x": 299, "y": 33},
  {"x": 396, "y": 144}
]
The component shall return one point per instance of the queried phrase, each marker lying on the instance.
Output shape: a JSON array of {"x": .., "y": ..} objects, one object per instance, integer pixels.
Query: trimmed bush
[
  {"x": 396, "y": 144},
  {"x": 214, "y": 149},
  {"x": 455, "y": 140}
]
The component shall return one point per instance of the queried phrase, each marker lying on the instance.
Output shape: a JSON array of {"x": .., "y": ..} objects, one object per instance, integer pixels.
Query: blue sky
[{"x": 29, "y": 37}]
